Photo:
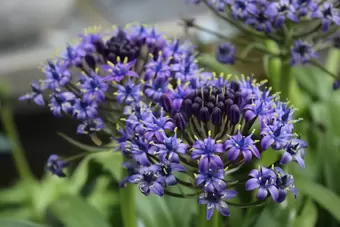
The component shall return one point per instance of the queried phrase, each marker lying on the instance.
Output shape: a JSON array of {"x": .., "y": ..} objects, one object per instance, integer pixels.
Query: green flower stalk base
[
  {"x": 128, "y": 204},
  {"x": 202, "y": 222},
  {"x": 274, "y": 65}
]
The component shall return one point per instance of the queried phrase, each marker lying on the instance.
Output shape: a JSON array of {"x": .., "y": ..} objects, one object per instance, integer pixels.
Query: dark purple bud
[
  {"x": 195, "y": 108},
  {"x": 206, "y": 93},
  {"x": 220, "y": 105},
  {"x": 238, "y": 98},
  {"x": 180, "y": 121},
  {"x": 166, "y": 102},
  {"x": 100, "y": 47},
  {"x": 90, "y": 61},
  {"x": 234, "y": 114},
  {"x": 212, "y": 99},
  {"x": 336, "y": 85},
  {"x": 210, "y": 106},
  {"x": 190, "y": 96},
  {"x": 227, "y": 104},
  {"x": 187, "y": 106},
  {"x": 235, "y": 85},
  {"x": 204, "y": 114},
  {"x": 198, "y": 100},
  {"x": 216, "y": 116},
  {"x": 220, "y": 97}
]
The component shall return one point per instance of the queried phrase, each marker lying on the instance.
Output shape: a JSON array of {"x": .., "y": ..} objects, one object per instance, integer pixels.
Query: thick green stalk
[
  {"x": 215, "y": 219},
  {"x": 333, "y": 60},
  {"x": 274, "y": 64},
  {"x": 10, "y": 128},
  {"x": 286, "y": 80},
  {"x": 128, "y": 204},
  {"x": 202, "y": 222}
]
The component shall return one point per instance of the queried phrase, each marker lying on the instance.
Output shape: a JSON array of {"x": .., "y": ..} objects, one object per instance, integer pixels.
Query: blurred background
[{"x": 32, "y": 31}]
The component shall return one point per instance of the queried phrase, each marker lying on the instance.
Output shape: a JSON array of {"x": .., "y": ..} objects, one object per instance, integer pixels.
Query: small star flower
[
  {"x": 36, "y": 94},
  {"x": 301, "y": 52},
  {"x": 284, "y": 183},
  {"x": 328, "y": 14},
  {"x": 226, "y": 53},
  {"x": 61, "y": 102},
  {"x": 56, "y": 75},
  {"x": 120, "y": 70},
  {"x": 94, "y": 87},
  {"x": 56, "y": 165},
  {"x": 129, "y": 93}
]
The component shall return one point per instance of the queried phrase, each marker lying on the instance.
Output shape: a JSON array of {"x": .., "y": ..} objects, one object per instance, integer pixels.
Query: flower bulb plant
[{"x": 174, "y": 123}]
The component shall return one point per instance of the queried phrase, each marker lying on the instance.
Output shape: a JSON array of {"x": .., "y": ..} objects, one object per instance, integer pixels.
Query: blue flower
[
  {"x": 166, "y": 170},
  {"x": 241, "y": 144},
  {"x": 132, "y": 169},
  {"x": 304, "y": 7},
  {"x": 120, "y": 70},
  {"x": 284, "y": 183},
  {"x": 211, "y": 180},
  {"x": 170, "y": 148},
  {"x": 282, "y": 10},
  {"x": 91, "y": 125},
  {"x": 94, "y": 87},
  {"x": 85, "y": 109},
  {"x": 185, "y": 69},
  {"x": 328, "y": 13},
  {"x": 301, "y": 52},
  {"x": 155, "y": 126},
  {"x": 276, "y": 136},
  {"x": 61, "y": 102},
  {"x": 149, "y": 180},
  {"x": 264, "y": 180},
  {"x": 56, "y": 165},
  {"x": 294, "y": 151},
  {"x": 140, "y": 148},
  {"x": 36, "y": 94},
  {"x": 73, "y": 56},
  {"x": 129, "y": 93},
  {"x": 157, "y": 68},
  {"x": 243, "y": 8},
  {"x": 56, "y": 75},
  {"x": 89, "y": 41},
  {"x": 258, "y": 108},
  {"x": 155, "y": 88},
  {"x": 216, "y": 200},
  {"x": 226, "y": 53},
  {"x": 261, "y": 22},
  {"x": 154, "y": 38}
]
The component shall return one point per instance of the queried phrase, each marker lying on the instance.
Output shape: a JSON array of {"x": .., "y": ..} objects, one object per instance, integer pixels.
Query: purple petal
[
  {"x": 262, "y": 193},
  {"x": 252, "y": 184},
  {"x": 157, "y": 189},
  {"x": 223, "y": 208},
  {"x": 210, "y": 210},
  {"x": 266, "y": 142},
  {"x": 286, "y": 158},
  {"x": 274, "y": 192}
]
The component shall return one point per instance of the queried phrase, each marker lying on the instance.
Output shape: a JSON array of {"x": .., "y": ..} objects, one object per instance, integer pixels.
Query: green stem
[
  {"x": 286, "y": 80},
  {"x": 274, "y": 64},
  {"x": 202, "y": 222},
  {"x": 10, "y": 128},
  {"x": 215, "y": 219},
  {"x": 333, "y": 59},
  {"x": 128, "y": 204}
]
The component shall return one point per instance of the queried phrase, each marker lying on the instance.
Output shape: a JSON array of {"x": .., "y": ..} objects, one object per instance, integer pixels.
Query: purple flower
[
  {"x": 216, "y": 200},
  {"x": 185, "y": 69},
  {"x": 154, "y": 39},
  {"x": 155, "y": 88},
  {"x": 155, "y": 126},
  {"x": 211, "y": 180},
  {"x": 132, "y": 169},
  {"x": 166, "y": 171},
  {"x": 139, "y": 150},
  {"x": 241, "y": 144},
  {"x": 336, "y": 84},
  {"x": 91, "y": 125},
  {"x": 265, "y": 180},
  {"x": 305, "y": 6},
  {"x": 85, "y": 109},
  {"x": 118, "y": 71},
  {"x": 36, "y": 94},
  {"x": 294, "y": 151},
  {"x": 261, "y": 22},
  {"x": 328, "y": 14},
  {"x": 157, "y": 68},
  {"x": 243, "y": 8},
  {"x": 56, "y": 165},
  {"x": 94, "y": 87},
  {"x": 275, "y": 136},
  {"x": 258, "y": 108},
  {"x": 89, "y": 41},
  {"x": 226, "y": 53},
  {"x": 149, "y": 180},
  {"x": 170, "y": 148},
  {"x": 284, "y": 183},
  {"x": 57, "y": 75},
  {"x": 61, "y": 102},
  {"x": 128, "y": 93},
  {"x": 72, "y": 56},
  {"x": 301, "y": 52},
  {"x": 280, "y": 11}
]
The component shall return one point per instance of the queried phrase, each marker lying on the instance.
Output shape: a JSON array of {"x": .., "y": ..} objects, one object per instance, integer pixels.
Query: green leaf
[
  {"x": 308, "y": 216},
  {"x": 323, "y": 196},
  {"x": 209, "y": 60},
  {"x": 73, "y": 211},
  {"x": 17, "y": 223},
  {"x": 84, "y": 146}
]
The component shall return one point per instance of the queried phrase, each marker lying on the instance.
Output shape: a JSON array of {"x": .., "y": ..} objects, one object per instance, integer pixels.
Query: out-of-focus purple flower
[
  {"x": 157, "y": 68},
  {"x": 61, "y": 102},
  {"x": 154, "y": 89},
  {"x": 241, "y": 144},
  {"x": 328, "y": 14},
  {"x": 91, "y": 125},
  {"x": 301, "y": 52},
  {"x": 216, "y": 200},
  {"x": 94, "y": 87},
  {"x": 154, "y": 38},
  {"x": 118, "y": 71},
  {"x": 170, "y": 148},
  {"x": 149, "y": 180},
  {"x": 243, "y": 8},
  {"x": 36, "y": 94},
  {"x": 284, "y": 183},
  {"x": 85, "y": 109},
  {"x": 72, "y": 56},
  {"x": 211, "y": 180},
  {"x": 226, "y": 53},
  {"x": 264, "y": 180},
  {"x": 336, "y": 84},
  {"x": 89, "y": 40},
  {"x": 282, "y": 10},
  {"x": 56, "y": 165},
  {"x": 261, "y": 22},
  {"x": 56, "y": 75},
  {"x": 294, "y": 151},
  {"x": 185, "y": 69},
  {"x": 128, "y": 93}
]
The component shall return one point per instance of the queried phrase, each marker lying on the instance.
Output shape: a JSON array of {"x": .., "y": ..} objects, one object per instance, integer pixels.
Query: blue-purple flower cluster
[
  {"x": 199, "y": 140},
  {"x": 111, "y": 72}
]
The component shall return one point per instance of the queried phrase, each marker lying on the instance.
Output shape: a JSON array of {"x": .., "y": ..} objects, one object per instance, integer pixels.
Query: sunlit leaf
[{"x": 308, "y": 216}]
